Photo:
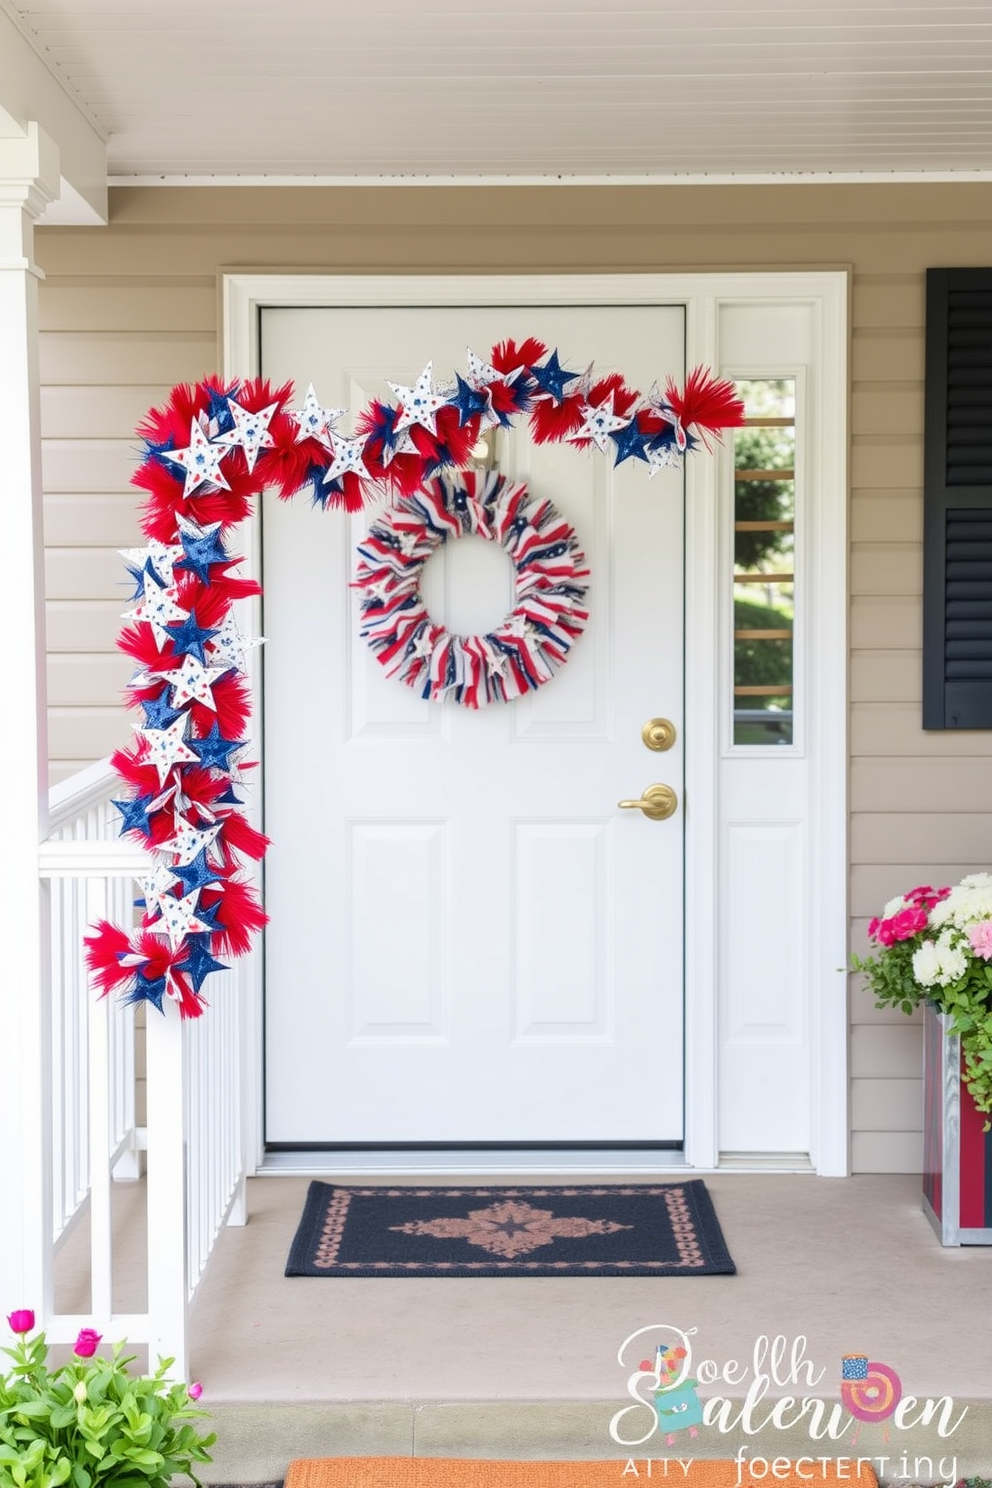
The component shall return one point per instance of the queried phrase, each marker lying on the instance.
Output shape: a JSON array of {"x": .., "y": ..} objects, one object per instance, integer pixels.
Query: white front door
[{"x": 470, "y": 941}]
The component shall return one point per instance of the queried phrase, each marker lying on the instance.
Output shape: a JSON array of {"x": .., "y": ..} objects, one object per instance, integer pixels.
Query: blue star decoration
[
  {"x": 552, "y": 378},
  {"x": 158, "y": 714},
  {"x": 469, "y": 402},
  {"x": 138, "y": 575},
  {"x": 208, "y": 916},
  {"x": 199, "y": 963},
  {"x": 213, "y": 749},
  {"x": 134, "y": 815},
  {"x": 219, "y": 409},
  {"x": 201, "y": 551},
  {"x": 190, "y": 637},
  {"x": 196, "y": 875},
  {"x": 630, "y": 442},
  {"x": 148, "y": 989}
]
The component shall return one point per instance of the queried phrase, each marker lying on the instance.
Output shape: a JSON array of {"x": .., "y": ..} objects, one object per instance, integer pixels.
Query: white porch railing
[{"x": 192, "y": 1129}]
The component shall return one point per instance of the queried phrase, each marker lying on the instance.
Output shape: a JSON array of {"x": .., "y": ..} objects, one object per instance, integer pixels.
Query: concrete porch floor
[{"x": 528, "y": 1368}]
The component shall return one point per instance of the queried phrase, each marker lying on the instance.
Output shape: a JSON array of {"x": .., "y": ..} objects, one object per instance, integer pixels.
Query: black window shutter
[{"x": 957, "y": 526}]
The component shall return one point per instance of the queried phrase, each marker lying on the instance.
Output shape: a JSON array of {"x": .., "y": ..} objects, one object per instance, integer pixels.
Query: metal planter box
[{"x": 957, "y": 1153}]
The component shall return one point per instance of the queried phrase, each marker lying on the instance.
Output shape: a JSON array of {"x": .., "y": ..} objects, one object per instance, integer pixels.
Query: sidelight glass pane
[{"x": 764, "y": 563}]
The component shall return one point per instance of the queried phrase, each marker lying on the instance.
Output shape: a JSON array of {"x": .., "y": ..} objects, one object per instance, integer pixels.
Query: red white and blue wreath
[
  {"x": 551, "y": 580},
  {"x": 208, "y": 455}
]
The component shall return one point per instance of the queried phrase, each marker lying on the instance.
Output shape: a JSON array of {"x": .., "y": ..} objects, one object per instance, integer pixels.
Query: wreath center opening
[{"x": 472, "y": 590}]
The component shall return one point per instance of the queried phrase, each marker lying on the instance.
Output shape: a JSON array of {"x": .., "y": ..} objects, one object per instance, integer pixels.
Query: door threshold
[{"x": 459, "y": 1162}]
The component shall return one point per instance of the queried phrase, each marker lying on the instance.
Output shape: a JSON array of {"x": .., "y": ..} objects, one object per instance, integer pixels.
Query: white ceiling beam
[{"x": 32, "y": 90}]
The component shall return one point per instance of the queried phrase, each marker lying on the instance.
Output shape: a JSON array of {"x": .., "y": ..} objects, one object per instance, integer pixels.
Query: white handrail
[{"x": 193, "y": 1129}]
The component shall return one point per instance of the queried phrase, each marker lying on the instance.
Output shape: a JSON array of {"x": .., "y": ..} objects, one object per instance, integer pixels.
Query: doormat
[
  {"x": 450, "y": 1472},
  {"x": 636, "y": 1230}
]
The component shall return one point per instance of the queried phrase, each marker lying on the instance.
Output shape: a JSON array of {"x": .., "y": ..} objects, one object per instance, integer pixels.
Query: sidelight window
[{"x": 764, "y": 563}]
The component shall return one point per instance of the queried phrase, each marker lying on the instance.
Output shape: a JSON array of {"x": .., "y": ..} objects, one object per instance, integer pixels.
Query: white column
[{"x": 29, "y": 179}]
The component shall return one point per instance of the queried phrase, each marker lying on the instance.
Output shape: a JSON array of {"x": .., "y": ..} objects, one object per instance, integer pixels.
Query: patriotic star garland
[{"x": 208, "y": 455}]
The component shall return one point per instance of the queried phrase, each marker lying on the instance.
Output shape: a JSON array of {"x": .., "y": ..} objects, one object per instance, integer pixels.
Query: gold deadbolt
[
  {"x": 659, "y": 734},
  {"x": 658, "y": 802}
]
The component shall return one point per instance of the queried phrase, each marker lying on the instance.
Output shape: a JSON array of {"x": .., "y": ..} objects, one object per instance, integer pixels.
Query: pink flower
[
  {"x": 195, "y": 1391},
  {"x": 21, "y": 1321},
  {"x": 926, "y": 897},
  {"x": 87, "y": 1343},
  {"x": 907, "y": 923},
  {"x": 873, "y": 927},
  {"x": 980, "y": 936}
]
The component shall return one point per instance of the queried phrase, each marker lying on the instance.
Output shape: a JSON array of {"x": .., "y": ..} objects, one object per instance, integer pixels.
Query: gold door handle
[{"x": 658, "y": 802}]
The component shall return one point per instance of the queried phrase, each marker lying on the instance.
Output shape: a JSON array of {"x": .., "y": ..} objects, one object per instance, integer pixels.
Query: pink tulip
[
  {"x": 195, "y": 1391},
  {"x": 21, "y": 1321},
  {"x": 87, "y": 1343}
]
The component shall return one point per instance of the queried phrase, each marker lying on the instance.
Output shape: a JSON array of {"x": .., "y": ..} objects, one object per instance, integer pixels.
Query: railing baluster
[
  {"x": 100, "y": 1133},
  {"x": 193, "y": 1082}
]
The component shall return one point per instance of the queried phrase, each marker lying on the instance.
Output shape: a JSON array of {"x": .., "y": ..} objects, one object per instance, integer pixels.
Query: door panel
[{"x": 470, "y": 942}]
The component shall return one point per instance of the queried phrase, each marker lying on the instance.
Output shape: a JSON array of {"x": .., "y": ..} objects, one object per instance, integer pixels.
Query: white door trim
[{"x": 244, "y": 295}]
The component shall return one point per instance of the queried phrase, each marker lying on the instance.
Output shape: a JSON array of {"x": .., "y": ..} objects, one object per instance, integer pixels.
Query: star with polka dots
[
  {"x": 193, "y": 683},
  {"x": 347, "y": 457},
  {"x": 201, "y": 461},
  {"x": 250, "y": 432},
  {"x": 167, "y": 747},
  {"x": 158, "y": 607},
  {"x": 313, "y": 421},
  {"x": 420, "y": 403},
  {"x": 598, "y": 423}
]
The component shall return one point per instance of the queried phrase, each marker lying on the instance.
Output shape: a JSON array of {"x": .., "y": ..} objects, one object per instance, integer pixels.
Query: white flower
[
  {"x": 968, "y": 902},
  {"x": 941, "y": 962},
  {"x": 893, "y": 907},
  {"x": 926, "y": 965},
  {"x": 952, "y": 959}
]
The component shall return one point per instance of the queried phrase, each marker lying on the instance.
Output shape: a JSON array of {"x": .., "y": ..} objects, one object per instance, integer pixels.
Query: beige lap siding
[{"x": 130, "y": 309}]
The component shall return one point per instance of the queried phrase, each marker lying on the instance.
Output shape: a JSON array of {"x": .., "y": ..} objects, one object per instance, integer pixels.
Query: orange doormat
[{"x": 450, "y": 1472}]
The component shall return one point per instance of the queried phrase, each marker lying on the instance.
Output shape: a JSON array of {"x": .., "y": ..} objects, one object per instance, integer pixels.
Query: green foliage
[
  {"x": 766, "y": 500},
  {"x": 889, "y": 974},
  {"x": 762, "y": 661},
  {"x": 90, "y": 1423}
]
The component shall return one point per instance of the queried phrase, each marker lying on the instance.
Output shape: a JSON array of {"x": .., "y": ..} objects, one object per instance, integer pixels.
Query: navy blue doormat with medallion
[{"x": 666, "y": 1229}]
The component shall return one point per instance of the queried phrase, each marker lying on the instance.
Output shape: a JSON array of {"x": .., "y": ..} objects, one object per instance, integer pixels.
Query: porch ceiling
[{"x": 588, "y": 88}]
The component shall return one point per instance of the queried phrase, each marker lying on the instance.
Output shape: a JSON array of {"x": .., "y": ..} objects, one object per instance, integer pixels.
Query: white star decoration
[
  {"x": 188, "y": 842},
  {"x": 161, "y": 556},
  {"x": 480, "y": 374},
  {"x": 159, "y": 608},
  {"x": 200, "y": 460},
  {"x": 228, "y": 646},
  {"x": 192, "y": 683},
  {"x": 347, "y": 456},
  {"x": 167, "y": 747},
  {"x": 315, "y": 422},
  {"x": 661, "y": 458},
  {"x": 179, "y": 919},
  {"x": 663, "y": 409},
  {"x": 598, "y": 423},
  {"x": 250, "y": 431},
  {"x": 156, "y": 887},
  {"x": 421, "y": 403}
]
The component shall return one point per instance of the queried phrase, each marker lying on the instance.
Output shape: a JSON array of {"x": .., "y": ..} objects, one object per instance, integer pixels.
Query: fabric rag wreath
[{"x": 522, "y": 651}]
